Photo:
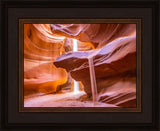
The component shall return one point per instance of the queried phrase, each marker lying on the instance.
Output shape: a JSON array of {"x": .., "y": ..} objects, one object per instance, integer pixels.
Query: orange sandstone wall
[
  {"x": 41, "y": 48},
  {"x": 115, "y": 63}
]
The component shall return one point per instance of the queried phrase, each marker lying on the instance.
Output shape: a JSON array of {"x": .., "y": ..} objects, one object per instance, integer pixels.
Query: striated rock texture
[
  {"x": 98, "y": 34},
  {"x": 41, "y": 48},
  {"x": 115, "y": 62}
]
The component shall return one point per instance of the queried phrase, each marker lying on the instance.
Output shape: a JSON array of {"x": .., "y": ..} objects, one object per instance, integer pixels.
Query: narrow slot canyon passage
[{"x": 79, "y": 65}]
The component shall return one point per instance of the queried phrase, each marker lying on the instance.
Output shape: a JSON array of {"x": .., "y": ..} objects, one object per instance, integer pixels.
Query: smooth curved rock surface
[
  {"x": 115, "y": 64},
  {"x": 98, "y": 34},
  {"x": 41, "y": 48},
  {"x": 111, "y": 60}
]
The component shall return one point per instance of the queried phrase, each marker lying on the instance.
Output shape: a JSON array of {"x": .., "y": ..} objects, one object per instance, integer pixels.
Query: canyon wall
[
  {"x": 41, "y": 48},
  {"x": 115, "y": 62},
  {"x": 49, "y": 60}
]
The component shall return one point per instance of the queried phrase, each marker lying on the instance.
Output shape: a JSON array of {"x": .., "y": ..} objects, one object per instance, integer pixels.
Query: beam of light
[
  {"x": 76, "y": 84},
  {"x": 75, "y": 45},
  {"x": 76, "y": 87}
]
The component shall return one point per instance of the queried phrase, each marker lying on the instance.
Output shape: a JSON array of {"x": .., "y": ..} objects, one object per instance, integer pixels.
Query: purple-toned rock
[{"x": 113, "y": 62}]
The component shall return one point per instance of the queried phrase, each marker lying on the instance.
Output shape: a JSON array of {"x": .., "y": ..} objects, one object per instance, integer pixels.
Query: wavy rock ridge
[{"x": 115, "y": 62}]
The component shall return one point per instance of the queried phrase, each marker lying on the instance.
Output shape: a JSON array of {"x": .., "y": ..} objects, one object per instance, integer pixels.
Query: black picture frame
[{"x": 147, "y": 11}]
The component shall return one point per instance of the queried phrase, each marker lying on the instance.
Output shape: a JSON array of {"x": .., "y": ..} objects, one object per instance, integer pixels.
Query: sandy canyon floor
[{"x": 69, "y": 99}]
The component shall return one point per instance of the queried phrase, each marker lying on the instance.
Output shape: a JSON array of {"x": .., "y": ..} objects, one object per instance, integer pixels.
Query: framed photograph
[
  {"x": 80, "y": 64},
  {"x": 86, "y": 65}
]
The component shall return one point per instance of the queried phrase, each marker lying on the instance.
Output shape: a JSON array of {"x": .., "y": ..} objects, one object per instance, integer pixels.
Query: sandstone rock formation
[
  {"x": 98, "y": 34},
  {"x": 115, "y": 62},
  {"x": 41, "y": 48}
]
